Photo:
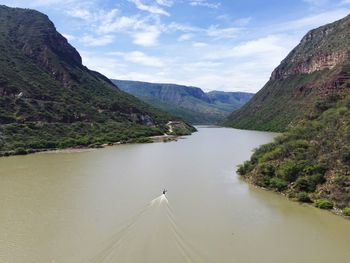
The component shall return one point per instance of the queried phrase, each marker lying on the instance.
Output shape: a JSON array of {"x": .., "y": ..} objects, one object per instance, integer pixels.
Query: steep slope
[
  {"x": 315, "y": 69},
  {"x": 189, "y": 103},
  {"x": 49, "y": 99}
]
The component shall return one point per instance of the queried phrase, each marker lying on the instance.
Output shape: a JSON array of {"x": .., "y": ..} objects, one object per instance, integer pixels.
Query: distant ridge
[{"x": 190, "y": 103}]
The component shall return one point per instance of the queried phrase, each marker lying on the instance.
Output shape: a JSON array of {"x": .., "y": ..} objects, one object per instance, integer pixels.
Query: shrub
[
  {"x": 278, "y": 183},
  {"x": 245, "y": 168},
  {"x": 303, "y": 197},
  {"x": 346, "y": 211},
  {"x": 290, "y": 170},
  {"x": 302, "y": 184},
  {"x": 323, "y": 204}
]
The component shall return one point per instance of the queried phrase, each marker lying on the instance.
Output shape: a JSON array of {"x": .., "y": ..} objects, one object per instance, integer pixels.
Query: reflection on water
[{"x": 99, "y": 206}]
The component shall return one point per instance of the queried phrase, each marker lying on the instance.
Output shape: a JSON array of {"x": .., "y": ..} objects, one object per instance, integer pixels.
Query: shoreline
[
  {"x": 335, "y": 211},
  {"x": 142, "y": 140}
]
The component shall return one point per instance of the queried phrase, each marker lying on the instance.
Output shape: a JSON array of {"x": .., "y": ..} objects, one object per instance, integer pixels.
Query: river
[{"x": 106, "y": 205}]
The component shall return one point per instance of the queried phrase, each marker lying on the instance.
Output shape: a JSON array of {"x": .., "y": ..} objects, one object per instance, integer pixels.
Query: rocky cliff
[{"x": 316, "y": 68}]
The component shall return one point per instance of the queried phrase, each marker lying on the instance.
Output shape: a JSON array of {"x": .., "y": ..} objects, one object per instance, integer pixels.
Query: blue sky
[{"x": 230, "y": 45}]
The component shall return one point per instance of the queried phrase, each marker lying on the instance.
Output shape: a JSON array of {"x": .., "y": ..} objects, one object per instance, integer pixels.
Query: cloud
[
  {"x": 83, "y": 14},
  {"x": 184, "y": 37},
  {"x": 69, "y": 37},
  {"x": 154, "y": 9},
  {"x": 222, "y": 33},
  {"x": 92, "y": 41},
  {"x": 104, "y": 64},
  {"x": 199, "y": 44},
  {"x": 148, "y": 37},
  {"x": 205, "y": 3},
  {"x": 311, "y": 21},
  {"x": 167, "y": 3},
  {"x": 140, "y": 58}
]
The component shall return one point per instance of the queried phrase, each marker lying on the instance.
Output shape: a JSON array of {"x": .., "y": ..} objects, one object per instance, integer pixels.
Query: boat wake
[{"x": 152, "y": 235}]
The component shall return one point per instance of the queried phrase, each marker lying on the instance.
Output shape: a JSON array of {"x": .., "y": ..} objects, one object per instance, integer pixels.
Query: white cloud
[
  {"x": 165, "y": 2},
  {"x": 199, "y": 44},
  {"x": 106, "y": 65},
  {"x": 205, "y": 3},
  {"x": 184, "y": 37},
  {"x": 154, "y": 9},
  {"x": 69, "y": 37},
  {"x": 222, "y": 33},
  {"x": 148, "y": 37},
  {"x": 83, "y": 14},
  {"x": 310, "y": 21},
  {"x": 140, "y": 58},
  {"x": 89, "y": 40}
]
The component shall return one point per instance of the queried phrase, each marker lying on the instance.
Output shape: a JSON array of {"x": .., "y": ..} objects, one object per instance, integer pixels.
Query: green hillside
[
  {"x": 311, "y": 162},
  {"x": 189, "y": 103},
  {"x": 50, "y": 100},
  {"x": 316, "y": 68}
]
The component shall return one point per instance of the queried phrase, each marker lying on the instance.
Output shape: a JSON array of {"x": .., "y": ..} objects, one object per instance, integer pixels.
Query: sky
[{"x": 229, "y": 45}]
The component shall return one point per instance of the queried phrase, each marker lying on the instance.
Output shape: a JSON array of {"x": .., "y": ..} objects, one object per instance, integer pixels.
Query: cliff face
[
  {"x": 189, "y": 103},
  {"x": 316, "y": 68},
  {"x": 48, "y": 99}
]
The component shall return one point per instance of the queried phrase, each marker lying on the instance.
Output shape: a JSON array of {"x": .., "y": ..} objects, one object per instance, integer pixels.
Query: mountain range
[
  {"x": 190, "y": 103},
  {"x": 49, "y": 99}
]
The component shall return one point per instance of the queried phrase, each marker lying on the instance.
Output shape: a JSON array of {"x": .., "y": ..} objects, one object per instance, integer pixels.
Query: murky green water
[{"x": 106, "y": 206}]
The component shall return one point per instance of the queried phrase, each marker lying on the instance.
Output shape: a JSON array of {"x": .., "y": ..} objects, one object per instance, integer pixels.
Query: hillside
[
  {"x": 316, "y": 68},
  {"x": 311, "y": 162},
  {"x": 50, "y": 100},
  {"x": 189, "y": 103}
]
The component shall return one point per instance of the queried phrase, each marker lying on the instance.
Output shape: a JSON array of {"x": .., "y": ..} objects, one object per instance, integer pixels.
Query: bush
[
  {"x": 324, "y": 204},
  {"x": 278, "y": 183},
  {"x": 302, "y": 184},
  {"x": 346, "y": 211},
  {"x": 303, "y": 197},
  {"x": 290, "y": 170},
  {"x": 245, "y": 168}
]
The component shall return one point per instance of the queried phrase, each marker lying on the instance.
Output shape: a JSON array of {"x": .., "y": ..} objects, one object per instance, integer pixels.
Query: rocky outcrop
[
  {"x": 318, "y": 67},
  {"x": 311, "y": 64}
]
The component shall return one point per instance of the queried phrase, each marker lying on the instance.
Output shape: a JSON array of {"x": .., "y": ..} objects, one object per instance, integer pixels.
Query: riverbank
[
  {"x": 334, "y": 210},
  {"x": 150, "y": 139},
  {"x": 86, "y": 140}
]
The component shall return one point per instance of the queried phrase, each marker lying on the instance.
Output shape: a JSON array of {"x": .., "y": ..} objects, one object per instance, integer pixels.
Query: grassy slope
[
  {"x": 189, "y": 103},
  {"x": 49, "y": 99}
]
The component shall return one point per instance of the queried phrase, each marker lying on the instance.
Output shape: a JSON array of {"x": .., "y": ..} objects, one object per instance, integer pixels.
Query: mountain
[
  {"x": 310, "y": 162},
  {"x": 50, "y": 100},
  {"x": 189, "y": 103},
  {"x": 316, "y": 68}
]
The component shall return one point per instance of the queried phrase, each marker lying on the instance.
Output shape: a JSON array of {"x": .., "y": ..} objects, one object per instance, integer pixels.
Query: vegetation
[
  {"x": 189, "y": 103},
  {"x": 48, "y": 99},
  {"x": 311, "y": 161},
  {"x": 346, "y": 211},
  {"x": 323, "y": 204}
]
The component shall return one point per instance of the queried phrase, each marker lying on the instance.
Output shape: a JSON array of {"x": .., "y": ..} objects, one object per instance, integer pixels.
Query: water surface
[{"x": 106, "y": 206}]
